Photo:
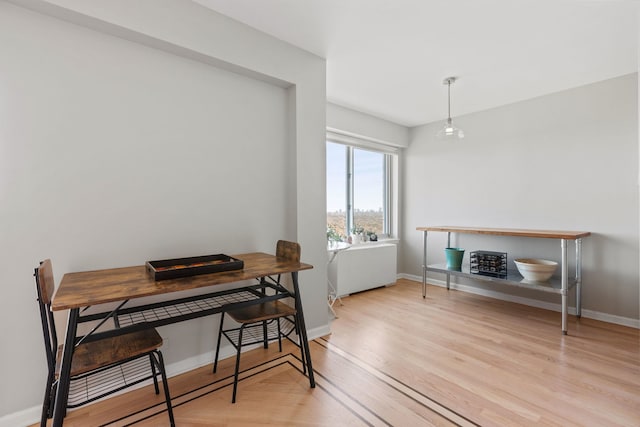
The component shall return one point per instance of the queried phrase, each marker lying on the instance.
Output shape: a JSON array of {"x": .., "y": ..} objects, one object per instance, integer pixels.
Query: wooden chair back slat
[
  {"x": 45, "y": 281},
  {"x": 288, "y": 250}
]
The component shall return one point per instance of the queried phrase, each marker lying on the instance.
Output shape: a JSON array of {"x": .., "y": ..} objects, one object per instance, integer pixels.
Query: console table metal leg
[
  {"x": 448, "y": 275},
  {"x": 424, "y": 264},
  {"x": 565, "y": 285},
  {"x": 578, "y": 277}
]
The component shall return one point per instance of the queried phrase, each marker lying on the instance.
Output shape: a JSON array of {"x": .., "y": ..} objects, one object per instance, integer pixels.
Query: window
[{"x": 358, "y": 196}]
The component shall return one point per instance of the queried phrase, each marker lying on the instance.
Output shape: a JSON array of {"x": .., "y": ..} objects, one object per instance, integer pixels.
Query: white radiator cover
[{"x": 364, "y": 266}]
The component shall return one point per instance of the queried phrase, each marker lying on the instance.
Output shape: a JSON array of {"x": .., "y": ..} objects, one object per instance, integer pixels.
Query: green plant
[{"x": 333, "y": 235}]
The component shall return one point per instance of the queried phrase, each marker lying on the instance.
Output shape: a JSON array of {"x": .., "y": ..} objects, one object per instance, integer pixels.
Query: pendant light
[{"x": 449, "y": 131}]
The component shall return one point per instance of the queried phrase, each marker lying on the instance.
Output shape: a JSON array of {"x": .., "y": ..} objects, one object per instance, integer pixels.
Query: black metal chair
[
  {"x": 261, "y": 323},
  {"x": 115, "y": 363}
]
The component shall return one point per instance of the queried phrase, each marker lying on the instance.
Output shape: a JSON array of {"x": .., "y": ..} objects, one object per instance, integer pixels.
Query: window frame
[{"x": 389, "y": 159}]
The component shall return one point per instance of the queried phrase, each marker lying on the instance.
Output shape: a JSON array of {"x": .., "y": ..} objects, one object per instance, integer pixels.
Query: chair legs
[
  {"x": 165, "y": 385},
  {"x": 237, "y": 343},
  {"x": 238, "y": 349},
  {"x": 153, "y": 373},
  {"x": 235, "y": 375},
  {"x": 279, "y": 336},
  {"x": 49, "y": 398},
  {"x": 215, "y": 361},
  {"x": 265, "y": 343}
]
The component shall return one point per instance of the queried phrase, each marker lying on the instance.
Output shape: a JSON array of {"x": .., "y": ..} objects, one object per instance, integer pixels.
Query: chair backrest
[
  {"x": 288, "y": 250},
  {"x": 45, "y": 287},
  {"x": 44, "y": 280}
]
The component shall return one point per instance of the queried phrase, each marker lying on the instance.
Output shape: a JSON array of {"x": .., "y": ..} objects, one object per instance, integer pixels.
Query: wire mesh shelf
[
  {"x": 191, "y": 308},
  {"x": 93, "y": 386}
]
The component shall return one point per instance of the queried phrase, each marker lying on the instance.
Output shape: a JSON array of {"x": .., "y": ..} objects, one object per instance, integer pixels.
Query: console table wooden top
[{"x": 517, "y": 232}]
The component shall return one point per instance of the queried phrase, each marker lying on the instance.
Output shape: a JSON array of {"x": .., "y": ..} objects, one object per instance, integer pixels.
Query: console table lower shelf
[{"x": 513, "y": 278}]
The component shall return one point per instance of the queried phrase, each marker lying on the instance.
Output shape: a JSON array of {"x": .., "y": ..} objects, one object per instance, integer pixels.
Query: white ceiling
[{"x": 388, "y": 58}]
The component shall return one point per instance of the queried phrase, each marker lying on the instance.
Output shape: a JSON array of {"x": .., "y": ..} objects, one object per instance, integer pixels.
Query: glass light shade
[{"x": 450, "y": 132}]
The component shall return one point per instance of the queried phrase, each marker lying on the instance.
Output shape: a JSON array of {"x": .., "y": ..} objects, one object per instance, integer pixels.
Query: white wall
[
  {"x": 567, "y": 161},
  {"x": 355, "y": 123},
  {"x": 113, "y": 152}
]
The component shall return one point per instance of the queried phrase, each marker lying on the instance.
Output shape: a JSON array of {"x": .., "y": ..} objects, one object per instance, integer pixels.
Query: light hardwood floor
[{"x": 394, "y": 358}]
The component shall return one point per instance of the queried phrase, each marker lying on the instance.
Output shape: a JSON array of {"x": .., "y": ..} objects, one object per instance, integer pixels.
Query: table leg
[
  {"x": 62, "y": 394},
  {"x": 303, "y": 329},
  {"x": 565, "y": 284},
  {"x": 448, "y": 275},
  {"x": 424, "y": 265},
  {"x": 578, "y": 277}
]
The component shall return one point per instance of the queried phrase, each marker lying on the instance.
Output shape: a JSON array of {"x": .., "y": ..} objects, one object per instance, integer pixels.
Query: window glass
[
  {"x": 336, "y": 191},
  {"x": 368, "y": 191}
]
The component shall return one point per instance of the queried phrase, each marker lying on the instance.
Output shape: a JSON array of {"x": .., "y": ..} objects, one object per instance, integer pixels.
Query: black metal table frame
[{"x": 190, "y": 308}]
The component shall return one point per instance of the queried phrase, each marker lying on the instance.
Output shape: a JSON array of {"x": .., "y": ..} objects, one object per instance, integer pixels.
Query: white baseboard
[
  {"x": 22, "y": 418},
  {"x": 591, "y": 314},
  {"x": 31, "y": 415}
]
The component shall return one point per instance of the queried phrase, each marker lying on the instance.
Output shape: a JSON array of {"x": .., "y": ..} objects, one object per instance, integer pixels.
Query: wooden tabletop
[
  {"x": 88, "y": 288},
  {"x": 517, "y": 232}
]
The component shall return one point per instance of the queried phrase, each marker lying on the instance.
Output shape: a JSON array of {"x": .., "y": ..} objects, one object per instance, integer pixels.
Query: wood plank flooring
[{"x": 396, "y": 359}]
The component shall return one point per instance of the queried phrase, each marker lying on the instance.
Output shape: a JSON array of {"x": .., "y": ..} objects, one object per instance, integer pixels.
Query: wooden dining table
[{"x": 123, "y": 286}]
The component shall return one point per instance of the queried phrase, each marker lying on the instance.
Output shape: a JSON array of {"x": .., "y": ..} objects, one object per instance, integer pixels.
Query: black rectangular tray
[{"x": 192, "y": 266}]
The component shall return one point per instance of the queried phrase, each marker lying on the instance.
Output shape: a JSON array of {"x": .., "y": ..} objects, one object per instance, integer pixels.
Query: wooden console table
[{"x": 513, "y": 277}]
